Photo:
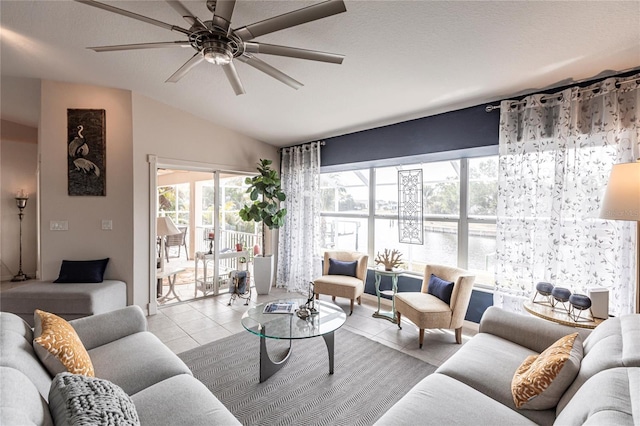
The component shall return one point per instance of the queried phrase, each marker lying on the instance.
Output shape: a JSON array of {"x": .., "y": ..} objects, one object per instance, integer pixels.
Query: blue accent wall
[
  {"x": 480, "y": 300},
  {"x": 456, "y": 130}
]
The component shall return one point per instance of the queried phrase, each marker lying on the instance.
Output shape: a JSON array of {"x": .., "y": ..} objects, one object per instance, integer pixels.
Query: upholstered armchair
[
  {"x": 344, "y": 275},
  {"x": 427, "y": 309}
]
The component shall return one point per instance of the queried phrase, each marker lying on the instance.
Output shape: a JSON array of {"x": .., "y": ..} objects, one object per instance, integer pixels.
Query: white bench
[{"x": 69, "y": 301}]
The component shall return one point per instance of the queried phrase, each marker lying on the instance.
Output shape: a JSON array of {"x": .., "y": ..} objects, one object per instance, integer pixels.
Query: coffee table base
[{"x": 268, "y": 367}]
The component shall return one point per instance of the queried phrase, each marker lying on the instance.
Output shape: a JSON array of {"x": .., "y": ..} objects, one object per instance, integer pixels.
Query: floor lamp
[
  {"x": 21, "y": 201},
  {"x": 164, "y": 227},
  {"x": 622, "y": 202}
]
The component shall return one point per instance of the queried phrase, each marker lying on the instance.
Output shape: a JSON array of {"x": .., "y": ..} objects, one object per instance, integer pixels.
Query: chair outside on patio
[{"x": 178, "y": 240}]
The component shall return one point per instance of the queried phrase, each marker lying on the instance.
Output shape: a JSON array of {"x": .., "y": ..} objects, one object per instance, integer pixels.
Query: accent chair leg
[
  {"x": 351, "y": 307},
  {"x": 333, "y": 298},
  {"x": 359, "y": 300},
  {"x": 317, "y": 296},
  {"x": 421, "y": 338},
  {"x": 399, "y": 316},
  {"x": 459, "y": 335}
]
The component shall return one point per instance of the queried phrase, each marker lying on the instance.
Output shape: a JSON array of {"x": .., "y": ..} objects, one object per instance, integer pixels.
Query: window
[
  {"x": 455, "y": 232},
  {"x": 173, "y": 201},
  {"x": 345, "y": 192}
]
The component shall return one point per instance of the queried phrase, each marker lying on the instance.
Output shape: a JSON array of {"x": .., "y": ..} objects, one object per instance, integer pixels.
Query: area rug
[{"x": 368, "y": 379}]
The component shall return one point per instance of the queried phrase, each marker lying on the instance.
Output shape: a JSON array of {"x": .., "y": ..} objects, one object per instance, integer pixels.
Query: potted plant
[{"x": 266, "y": 194}]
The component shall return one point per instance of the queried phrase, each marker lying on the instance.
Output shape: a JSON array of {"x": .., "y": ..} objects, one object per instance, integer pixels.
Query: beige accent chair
[
  {"x": 343, "y": 285},
  {"x": 427, "y": 311}
]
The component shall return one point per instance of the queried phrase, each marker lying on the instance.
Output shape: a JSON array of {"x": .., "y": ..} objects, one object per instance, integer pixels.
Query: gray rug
[{"x": 368, "y": 379}]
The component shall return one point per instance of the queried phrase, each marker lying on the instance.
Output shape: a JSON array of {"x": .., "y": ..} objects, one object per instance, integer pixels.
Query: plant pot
[
  {"x": 263, "y": 273},
  {"x": 239, "y": 247}
]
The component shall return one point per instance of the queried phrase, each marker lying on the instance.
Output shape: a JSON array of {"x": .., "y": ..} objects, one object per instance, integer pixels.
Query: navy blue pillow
[
  {"x": 338, "y": 267},
  {"x": 440, "y": 288},
  {"x": 82, "y": 271}
]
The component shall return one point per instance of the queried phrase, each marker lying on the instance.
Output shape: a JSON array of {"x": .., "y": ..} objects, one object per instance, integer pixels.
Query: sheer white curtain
[
  {"x": 299, "y": 237},
  {"x": 556, "y": 154}
]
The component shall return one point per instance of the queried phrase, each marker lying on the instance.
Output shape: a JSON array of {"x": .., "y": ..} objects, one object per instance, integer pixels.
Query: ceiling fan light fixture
[{"x": 217, "y": 53}]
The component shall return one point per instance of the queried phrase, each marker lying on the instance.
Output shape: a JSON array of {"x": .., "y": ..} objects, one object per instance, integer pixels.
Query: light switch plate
[
  {"x": 107, "y": 225},
  {"x": 58, "y": 225}
]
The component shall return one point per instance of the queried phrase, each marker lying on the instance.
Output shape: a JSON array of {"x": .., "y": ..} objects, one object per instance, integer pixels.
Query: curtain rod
[
  {"x": 322, "y": 143},
  {"x": 490, "y": 108}
]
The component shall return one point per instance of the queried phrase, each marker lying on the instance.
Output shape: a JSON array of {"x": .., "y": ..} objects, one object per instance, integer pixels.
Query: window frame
[{"x": 463, "y": 219}]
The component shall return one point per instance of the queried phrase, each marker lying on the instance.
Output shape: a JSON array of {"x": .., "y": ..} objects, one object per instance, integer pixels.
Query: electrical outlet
[
  {"x": 107, "y": 225},
  {"x": 58, "y": 225}
]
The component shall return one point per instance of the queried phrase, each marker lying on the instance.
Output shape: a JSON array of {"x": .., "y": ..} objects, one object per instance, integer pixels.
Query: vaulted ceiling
[{"x": 404, "y": 59}]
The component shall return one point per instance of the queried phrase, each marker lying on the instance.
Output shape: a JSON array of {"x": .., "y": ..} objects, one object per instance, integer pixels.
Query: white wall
[
  {"x": 136, "y": 128},
  {"x": 18, "y": 165},
  {"x": 169, "y": 133},
  {"x": 85, "y": 239}
]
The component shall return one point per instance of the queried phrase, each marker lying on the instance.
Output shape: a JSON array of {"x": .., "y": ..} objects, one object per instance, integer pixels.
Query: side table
[
  {"x": 207, "y": 283},
  {"x": 550, "y": 314},
  {"x": 394, "y": 274},
  {"x": 170, "y": 274}
]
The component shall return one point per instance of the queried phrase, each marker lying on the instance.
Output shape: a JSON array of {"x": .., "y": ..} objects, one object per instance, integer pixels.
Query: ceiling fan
[{"x": 214, "y": 41}]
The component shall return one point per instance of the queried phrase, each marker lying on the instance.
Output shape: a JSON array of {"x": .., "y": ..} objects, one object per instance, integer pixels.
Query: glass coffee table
[{"x": 290, "y": 327}]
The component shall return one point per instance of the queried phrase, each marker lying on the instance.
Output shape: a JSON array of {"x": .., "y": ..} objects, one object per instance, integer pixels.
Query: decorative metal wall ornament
[
  {"x": 410, "y": 223},
  {"x": 86, "y": 136}
]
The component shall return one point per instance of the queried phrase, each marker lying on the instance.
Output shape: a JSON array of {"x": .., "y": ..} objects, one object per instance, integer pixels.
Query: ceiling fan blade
[
  {"x": 291, "y": 19},
  {"x": 183, "y": 70},
  {"x": 234, "y": 79},
  {"x": 249, "y": 59},
  {"x": 134, "y": 16},
  {"x": 140, "y": 46},
  {"x": 223, "y": 13},
  {"x": 292, "y": 52},
  {"x": 185, "y": 13}
]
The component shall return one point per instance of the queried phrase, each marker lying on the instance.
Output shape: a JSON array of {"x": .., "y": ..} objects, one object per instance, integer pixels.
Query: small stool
[
  {"x": 544, "y": 289},
  {"x": 580, "y": 303},
  {"x": 240, "y": 286},
  {"x": 561, "y": 295}
]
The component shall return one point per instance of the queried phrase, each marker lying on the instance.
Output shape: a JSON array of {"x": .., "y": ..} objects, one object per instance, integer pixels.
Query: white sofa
[
  {"x": 473, "y": 387},
  {"x": 122, "y": 351}
]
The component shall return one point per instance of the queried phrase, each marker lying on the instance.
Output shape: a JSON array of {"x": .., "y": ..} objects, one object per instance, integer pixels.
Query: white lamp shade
[
  {"x": 622, "y": 197},
  {"x": 165, "y": 226}
]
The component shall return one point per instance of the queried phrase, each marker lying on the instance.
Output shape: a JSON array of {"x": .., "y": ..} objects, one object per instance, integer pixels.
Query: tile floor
[{"x": 187, "y": 325}]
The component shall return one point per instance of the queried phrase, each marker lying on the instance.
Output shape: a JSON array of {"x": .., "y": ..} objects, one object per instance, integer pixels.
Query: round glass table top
[{"x": 329, "y": 318}]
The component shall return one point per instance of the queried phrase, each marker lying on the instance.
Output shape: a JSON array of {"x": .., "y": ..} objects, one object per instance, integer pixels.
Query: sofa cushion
[
  {"x": 614, "y": 343},
  {"x": 18, "y": 354},
  {"x": 487, "y": 363},
  {"x": 541, "y": 380},
  {"x": 12, "y": 322},
  {"x": 611, "y": 397},
  {"x": 156, "y": 405},
  {"x": 142, "y": 360},
  {"x": 82, "y": 271},
  {"x": 20, "y": 402},
  {"x": 80, "y": 400},
  {"x": 441, "y": 400},
  {"x": 440, "y": 288},
  {"x": 339, "y": 267},
  {"x": 58, "y": 346}
]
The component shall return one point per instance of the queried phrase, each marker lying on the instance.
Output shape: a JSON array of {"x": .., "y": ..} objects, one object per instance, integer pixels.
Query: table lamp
[
  {"x": 622, "y": 202},
  {"x": 164, "y": 227}
]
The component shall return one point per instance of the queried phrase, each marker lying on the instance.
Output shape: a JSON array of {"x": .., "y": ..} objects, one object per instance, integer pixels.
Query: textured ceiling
[{"x": 403, "y": 59}]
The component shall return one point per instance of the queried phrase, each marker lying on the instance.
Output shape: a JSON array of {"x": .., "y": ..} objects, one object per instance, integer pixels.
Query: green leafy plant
[{"x": 266, "y": 194}]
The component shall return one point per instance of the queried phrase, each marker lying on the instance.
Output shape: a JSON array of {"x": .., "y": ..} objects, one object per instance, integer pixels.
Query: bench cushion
[{"x": 69, "y": 301}]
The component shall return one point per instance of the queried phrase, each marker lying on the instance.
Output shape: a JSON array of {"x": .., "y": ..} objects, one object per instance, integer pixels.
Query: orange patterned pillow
[
  {"x": 58, "y": 346},
  {"x": 540, "y": 381}
]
